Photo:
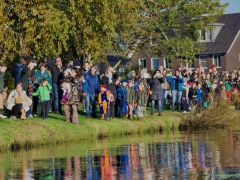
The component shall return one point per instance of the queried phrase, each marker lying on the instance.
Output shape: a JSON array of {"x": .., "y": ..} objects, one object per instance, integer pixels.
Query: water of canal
[{"x": 183, "y": 155}]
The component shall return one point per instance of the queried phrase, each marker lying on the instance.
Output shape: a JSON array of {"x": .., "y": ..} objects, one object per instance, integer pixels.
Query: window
[
  {"x": 205, "y": 35},
  {"x": 121, "y": 70},
  {"x": 203, "y": 61},
  {"x": 190, "y": 63},
  {"x": 154, "y": 63},
  {"x": 142, "y": 62},
  {"x": 153, "y": 41},
  {"x": 217, "y": 60},
  {"x": 167, "y": 63}
]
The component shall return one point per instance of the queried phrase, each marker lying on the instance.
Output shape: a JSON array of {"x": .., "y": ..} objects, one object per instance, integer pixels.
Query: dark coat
[
  {"x": 24, "y": 77},
  {"x": 191, "y": 93},
  {"x": 156, "y": 88},
  {"x": 111, "y": 87},
  {"x": 206, "y": 91},
  {"x": 56, "y": 72},
  {"x": 83, "y": 71},
  {"x": 16, "y": 72}
]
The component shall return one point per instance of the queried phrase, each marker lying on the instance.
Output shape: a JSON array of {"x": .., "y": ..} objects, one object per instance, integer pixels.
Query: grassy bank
[{"x": 36, "y": 132}]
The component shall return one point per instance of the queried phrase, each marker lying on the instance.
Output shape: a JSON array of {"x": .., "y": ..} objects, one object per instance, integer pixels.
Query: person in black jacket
[
  {"x": 17, "y": 69},
  {"x": 56, "y": 68},
  {"x": 109, "y": 80},
  {"x": 27, "y": 76}
]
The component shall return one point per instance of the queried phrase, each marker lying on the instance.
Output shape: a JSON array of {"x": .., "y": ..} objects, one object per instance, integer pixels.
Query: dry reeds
[{"x": 218, "y": 114}]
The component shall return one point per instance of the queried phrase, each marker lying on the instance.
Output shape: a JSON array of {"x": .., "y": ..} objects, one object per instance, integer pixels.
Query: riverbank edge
[{"x": 37, "y": 132}]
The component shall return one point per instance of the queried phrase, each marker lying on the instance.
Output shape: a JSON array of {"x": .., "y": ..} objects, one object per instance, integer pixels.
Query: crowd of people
[{"x": 51, "y": 87}]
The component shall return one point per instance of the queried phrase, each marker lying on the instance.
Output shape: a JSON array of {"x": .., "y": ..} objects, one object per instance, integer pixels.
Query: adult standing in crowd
[
  {"x": 91, "y": 90},
  {"x": 17, "y": 69},
  {"x": 42, "y": 74},
  {"x": 131, "y": 76},
  {"x": 144, "y": 77},
  {"x": 56, "y": 68},
  {"x": 83, "y": 71},
  {"x": 3, "y": 94},
  {"x": 165, "y": 88},
  {"x": 27, "y": 76},
  {"x": 156, "y": 88},
  {"x": 176, "y": 83},
  {"x": 109, "y": 80},
  {"x": 71, "y": 77}
]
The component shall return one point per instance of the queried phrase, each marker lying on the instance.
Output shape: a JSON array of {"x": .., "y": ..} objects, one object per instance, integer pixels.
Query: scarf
[
  {"x": 30, "y": 83},
  {"x": 110, "y": 78}
]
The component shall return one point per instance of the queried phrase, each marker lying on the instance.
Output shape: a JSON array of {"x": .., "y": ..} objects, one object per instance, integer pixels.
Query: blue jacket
[
  {"x": 122, "y": 94},
  {"x": 16, "y": 72},
  {"x": 199, "y": 94},
  {"x": 91, "y": 85},
  {"x": 172, "y": 82}
]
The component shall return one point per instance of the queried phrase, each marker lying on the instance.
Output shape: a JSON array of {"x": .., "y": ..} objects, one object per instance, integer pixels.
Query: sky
[{"x": 233, "y": 7}]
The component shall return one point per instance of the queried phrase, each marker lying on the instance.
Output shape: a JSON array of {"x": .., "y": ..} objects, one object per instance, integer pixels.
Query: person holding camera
[
  {"x": 157, "y": 92},
  {"x": 144, "y": 77},
  {"x": 91, "y": 90},
  {"x": 176, "y": 83},
  {"x": 165, "y": 88}
]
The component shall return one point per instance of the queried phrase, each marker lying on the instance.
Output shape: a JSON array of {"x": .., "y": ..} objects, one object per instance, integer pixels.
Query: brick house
[{"x": 222, "y": 48}]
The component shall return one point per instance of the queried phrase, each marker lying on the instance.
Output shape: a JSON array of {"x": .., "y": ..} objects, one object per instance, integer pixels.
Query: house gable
[{"x": 226, "y": 35}]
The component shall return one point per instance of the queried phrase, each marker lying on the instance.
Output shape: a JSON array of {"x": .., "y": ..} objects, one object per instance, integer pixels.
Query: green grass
[{"x": 36, "y": 132}]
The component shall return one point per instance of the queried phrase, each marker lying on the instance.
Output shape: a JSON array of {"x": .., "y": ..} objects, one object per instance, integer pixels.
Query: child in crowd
[
  {"x": 103, "y": 102},
  {"x": 122, "y": 98},
  {"x": 130, "y": 98},
  {"x": 110, "y": 98},
  {"x": 44, "y": 92},
  {"x": 141, "y": 100},
  {"x": 66, "y": 92},
  {"x": 21, "y": 98},
  {"x": 192, "y": 95}
]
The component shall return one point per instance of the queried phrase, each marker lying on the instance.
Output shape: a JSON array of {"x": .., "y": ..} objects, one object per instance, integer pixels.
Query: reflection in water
[{"x": 202, "y": 155}]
